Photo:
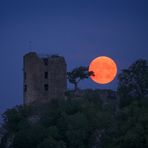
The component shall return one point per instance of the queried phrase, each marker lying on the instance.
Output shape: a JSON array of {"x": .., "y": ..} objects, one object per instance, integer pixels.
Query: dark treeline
[{"x": 85, "y": 122}]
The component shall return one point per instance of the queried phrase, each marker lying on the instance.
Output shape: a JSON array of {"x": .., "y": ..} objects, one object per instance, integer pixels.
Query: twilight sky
[{"x": 79, "y": 30}]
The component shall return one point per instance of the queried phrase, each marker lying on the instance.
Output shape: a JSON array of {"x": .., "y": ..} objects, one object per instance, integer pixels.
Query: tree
[
  {"x": 30, "y": 137},
  {"x": 15, "y": 118},
  {"x": 78, "y": 74},
  {"x": 129, "y": 127},
  {"x": 133, "y": 82}
]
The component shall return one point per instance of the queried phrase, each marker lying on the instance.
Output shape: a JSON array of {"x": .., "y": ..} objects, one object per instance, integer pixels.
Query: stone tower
[{"x": 44, "y": 77}]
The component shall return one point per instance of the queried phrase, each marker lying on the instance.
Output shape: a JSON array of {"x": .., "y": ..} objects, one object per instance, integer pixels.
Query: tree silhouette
[
  {"x": 133, "y": 82},
  {"x": 78, "y": 74}
]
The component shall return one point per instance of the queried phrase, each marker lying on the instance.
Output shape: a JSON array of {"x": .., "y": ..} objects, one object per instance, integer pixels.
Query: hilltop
[{"x": 85, "y": 118}]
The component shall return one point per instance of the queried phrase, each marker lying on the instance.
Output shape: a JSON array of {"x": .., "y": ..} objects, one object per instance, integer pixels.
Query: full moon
[{"x": 104, "y": 69}]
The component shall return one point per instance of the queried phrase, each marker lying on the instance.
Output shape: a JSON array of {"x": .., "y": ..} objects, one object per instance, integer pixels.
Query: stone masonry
[{"x": 44, "y": 77}]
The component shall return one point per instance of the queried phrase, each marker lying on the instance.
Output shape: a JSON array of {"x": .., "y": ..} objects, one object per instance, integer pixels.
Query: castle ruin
[{"x": 44, "y": 77}]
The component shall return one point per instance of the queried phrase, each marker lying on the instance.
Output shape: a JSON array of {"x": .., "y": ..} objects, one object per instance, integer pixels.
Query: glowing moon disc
[{"x": 104, "y": 68}]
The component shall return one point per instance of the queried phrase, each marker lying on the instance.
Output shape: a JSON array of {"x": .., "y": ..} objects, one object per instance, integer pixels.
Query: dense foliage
[
  {"x": 84, "y": 122},
  {"x": 133, "y": 82},
  {"x": 61, "y": 124}
]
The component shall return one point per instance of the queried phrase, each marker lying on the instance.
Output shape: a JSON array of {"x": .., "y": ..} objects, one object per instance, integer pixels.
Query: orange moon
[{"x": 104, "y": 68}]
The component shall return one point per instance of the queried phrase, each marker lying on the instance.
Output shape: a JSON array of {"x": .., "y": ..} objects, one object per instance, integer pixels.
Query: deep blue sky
[{"x": 79, "y": 30}]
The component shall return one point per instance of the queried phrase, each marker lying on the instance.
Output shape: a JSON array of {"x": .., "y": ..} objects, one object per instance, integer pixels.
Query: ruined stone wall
[{"x": 44, "y": 78}]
